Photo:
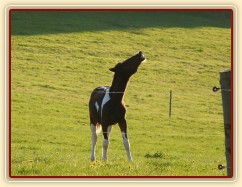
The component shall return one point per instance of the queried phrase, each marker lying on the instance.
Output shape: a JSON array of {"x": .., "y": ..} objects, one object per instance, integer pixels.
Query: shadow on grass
[{"x": 41, "y": 22}]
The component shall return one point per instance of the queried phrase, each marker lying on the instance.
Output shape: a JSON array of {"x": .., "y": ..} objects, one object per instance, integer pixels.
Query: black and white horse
[{"x": 106, "y": 105}]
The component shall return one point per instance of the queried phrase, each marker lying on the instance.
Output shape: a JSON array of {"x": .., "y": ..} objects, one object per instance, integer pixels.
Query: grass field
[{"x": 58, "y": 58}]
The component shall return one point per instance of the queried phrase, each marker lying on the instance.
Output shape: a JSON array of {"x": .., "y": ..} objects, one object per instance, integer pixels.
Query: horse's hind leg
[{"x": 94, "y": 141}]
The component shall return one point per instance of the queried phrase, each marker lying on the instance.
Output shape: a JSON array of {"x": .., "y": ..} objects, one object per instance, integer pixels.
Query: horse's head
[{"x": 129, "y": 66}]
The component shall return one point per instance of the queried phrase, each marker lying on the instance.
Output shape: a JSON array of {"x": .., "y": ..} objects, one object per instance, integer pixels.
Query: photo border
[{"x": 9, "y": 9}]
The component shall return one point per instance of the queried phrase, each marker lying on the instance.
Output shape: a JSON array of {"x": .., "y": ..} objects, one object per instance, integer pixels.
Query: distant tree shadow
[{"x": 51, "y": 22}]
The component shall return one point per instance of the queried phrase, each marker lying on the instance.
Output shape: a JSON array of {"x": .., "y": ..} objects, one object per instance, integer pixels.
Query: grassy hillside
[{"x": 58, "y": 58}]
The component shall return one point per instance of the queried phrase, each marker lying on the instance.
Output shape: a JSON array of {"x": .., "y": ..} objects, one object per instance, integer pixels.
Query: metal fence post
[
  {"x": 225, "y": 78},
  {"x": 170, "y": 103}
]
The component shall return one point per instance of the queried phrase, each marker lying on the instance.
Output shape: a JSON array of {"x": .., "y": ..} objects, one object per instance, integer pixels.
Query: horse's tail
[{"x": 98, "y": 129}]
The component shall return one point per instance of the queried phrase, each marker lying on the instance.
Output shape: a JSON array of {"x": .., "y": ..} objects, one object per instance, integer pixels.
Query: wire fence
[
  {"x": 164, "y": 135},
  {"x": 171, "y": 105}
]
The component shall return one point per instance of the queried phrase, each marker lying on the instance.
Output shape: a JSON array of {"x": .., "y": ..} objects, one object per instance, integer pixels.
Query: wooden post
[
  {"x": 225, "y": 77},
  {"x": 170, "y": 103}
]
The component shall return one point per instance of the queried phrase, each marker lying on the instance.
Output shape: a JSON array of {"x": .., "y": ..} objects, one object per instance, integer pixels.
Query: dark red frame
[{"x": 121, "y": 10}]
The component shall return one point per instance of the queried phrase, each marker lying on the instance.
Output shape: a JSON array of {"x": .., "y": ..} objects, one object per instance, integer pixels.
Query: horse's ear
[
  {"x": 112, "y": 69},
  {"x": 115, "y": 68}
]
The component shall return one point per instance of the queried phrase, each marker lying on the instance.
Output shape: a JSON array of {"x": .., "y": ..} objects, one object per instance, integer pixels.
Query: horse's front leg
[
  {"x": 123, "y": 128},
  {"x": 106, "y": 142}
]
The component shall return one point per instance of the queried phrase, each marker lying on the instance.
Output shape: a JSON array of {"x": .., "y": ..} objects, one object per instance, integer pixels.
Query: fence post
[
  {"x": 170, "y": 103},
  {"x": 225, "y": 77}
]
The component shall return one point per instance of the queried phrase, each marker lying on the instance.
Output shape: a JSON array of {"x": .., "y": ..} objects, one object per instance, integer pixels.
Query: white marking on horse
[
  {"x": 127, "y": 146},
  {"x": 106, "y": 98},
  {"x": 106, "y": 144},
  {"x": 97, "y": 106}
]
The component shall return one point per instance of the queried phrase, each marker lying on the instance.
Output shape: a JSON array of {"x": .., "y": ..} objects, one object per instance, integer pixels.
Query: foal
[{"x": 106, "y": 105}]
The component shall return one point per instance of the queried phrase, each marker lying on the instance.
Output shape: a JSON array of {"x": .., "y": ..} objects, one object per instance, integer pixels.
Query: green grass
[{"x": 59, "y": 58}]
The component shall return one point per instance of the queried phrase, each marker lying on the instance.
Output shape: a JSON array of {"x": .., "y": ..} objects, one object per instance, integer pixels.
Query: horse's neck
[{"x": 118, "y": 87}]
